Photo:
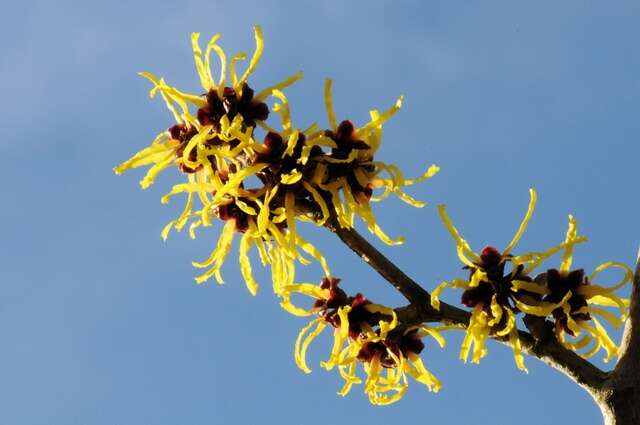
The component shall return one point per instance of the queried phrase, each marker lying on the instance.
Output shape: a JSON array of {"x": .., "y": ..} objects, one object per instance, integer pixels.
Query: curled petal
[
  {"x": 524, "y": 223},
  {"x": 302, "y": 343}
]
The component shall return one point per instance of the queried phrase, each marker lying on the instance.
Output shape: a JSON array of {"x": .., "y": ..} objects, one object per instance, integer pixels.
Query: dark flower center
[
  {"x": 231, "y": 104},
  {"x": 559, "y": 284}
]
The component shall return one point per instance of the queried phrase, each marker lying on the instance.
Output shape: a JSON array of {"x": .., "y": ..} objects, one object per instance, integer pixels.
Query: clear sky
[{"x": 102, "y": 323}]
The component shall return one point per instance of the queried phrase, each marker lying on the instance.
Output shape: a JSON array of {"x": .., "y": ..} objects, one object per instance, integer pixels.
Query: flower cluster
[
  {"x": 575, "y": 320},
  {"x": 261, "y": 186},
  {"x": 500, "y": 286},
  {"x": 363, "y": 333},
  {"x": 260, "y": 180}
]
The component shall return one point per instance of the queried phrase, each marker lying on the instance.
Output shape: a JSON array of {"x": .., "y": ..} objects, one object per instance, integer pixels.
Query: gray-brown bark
[
  {"x": 619, "y": 396},
  {"x": 617, "y": 393}
]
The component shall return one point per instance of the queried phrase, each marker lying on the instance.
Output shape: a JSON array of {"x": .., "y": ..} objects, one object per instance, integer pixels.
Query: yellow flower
[
  {"x": 349, "y": 173},
  {"x": 220, "y": 135},
  {"x": 583, "y": 301},
  {"x": 283, "y": 164},
  {"x": 362, "y": 334},
  {"x": 351, "y": 317},
  {"x": 497, "y": 294},
  {"x": 213, "y": 147},
  {"x": 387, "y": 362}
]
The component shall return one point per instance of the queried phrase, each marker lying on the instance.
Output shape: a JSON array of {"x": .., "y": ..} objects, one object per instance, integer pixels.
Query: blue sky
[{"x": 102, "y": 323}]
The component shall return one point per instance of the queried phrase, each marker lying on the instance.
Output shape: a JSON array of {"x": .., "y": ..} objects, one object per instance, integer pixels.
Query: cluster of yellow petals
[
  {"x": 387, "y": 177},
  {"x": 383, "y": 385},
  {"x": 218, "y": 171},
  {"x": 219, "y": 157},
  {"x": 387, "y": 385},
  {"x": 485, "y": 319},
  {"x": 589, "y": 339},
  {"x": 219, "y": 176},
  {"x": 216, "y": 177},
  {"x": 482, "y": 325}
]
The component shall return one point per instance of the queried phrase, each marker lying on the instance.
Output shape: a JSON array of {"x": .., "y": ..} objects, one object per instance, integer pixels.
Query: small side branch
[{"x": 413, "y": 292}]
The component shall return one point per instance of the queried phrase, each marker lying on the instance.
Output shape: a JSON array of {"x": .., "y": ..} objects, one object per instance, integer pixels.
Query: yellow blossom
[
  {"x": 212, "y": 147},
  {"x": 388, "y": 353},
  {"x": 584, "y": 302},
  {"x": 495, "y": 293},
  {"x": 350, "y": 173}
]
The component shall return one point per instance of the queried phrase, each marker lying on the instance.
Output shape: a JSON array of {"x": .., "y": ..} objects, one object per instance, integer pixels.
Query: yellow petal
[
  {"x": 245, "y": 264},
  {"x": 218, "y": 255},
  {"x": 462, "y": 245},
  {"x": 514, "y": 340},
  {"x": 203, "y": 72},
  {"x": 314, "y": 252},
  {"x": 627, "y": 277},
  {"x": 328, "y": 103},
  {"x": 279, "y": 86},
  {"x": 567, "y": 256},
  {"x": 240, "y": 56},
  {"x": 300, "y": 349},
  {"x": 523, "y": 224},
  {"x": 254, "y": 59}
]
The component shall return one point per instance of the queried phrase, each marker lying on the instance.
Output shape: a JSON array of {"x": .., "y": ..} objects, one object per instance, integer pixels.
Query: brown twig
[{"x": 413, "y": 292}]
